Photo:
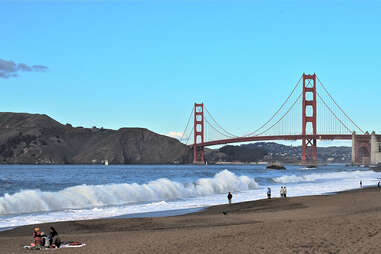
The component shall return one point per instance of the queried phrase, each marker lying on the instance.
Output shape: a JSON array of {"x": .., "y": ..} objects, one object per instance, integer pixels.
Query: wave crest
[
  {"x": 90, "y": 196},
  {"x": 320, "y": 176}
]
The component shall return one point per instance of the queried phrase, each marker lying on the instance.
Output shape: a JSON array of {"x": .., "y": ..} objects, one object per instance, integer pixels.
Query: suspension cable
[
  {"x": 218, "y": 125},
  {"x": 272, "y": 117},
  {"x": 283, "y": 116},
  {"x": 187, "y": 124},
  {"x": 333, "y": 113},
  {"x": 339, "y": 106},
  {"x": 216, "y": 129},
  {"x": 190, "y": 134}
]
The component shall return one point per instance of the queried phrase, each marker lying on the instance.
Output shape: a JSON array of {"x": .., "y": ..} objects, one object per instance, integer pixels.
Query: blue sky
[{"x": 144, "y": 63}]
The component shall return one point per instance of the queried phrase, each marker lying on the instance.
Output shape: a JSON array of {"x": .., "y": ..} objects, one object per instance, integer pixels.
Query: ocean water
[{"x": 33, "y": 194}]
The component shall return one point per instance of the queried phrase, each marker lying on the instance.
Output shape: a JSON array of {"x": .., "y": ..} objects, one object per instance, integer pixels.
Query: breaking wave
[
  {"x": 90, "y": 196},
  {"x": 322, "y": 176}
]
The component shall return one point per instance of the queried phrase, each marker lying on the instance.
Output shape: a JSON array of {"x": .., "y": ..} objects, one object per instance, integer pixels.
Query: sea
[{"x": 34, "y": 194}]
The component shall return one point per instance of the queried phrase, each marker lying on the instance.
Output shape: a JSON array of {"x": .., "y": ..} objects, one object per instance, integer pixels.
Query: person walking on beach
[
  {"x": 281, "y": 192},
  {"x": 269, "y": 193},
  {"x": 230, "y": 196},
  {"x": 284, "y": 192}
]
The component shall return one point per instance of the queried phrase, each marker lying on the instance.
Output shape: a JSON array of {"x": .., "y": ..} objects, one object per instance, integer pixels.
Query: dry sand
[{"x": 349, "y": 222}]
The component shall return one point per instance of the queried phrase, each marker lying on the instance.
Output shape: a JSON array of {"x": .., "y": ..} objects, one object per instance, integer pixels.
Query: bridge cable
[
  {"x": 216, "y": 129},
  {"x": 190, "y": 134},
  {"x": 333, "y": 113},
  {"x": 227, "y": 132},
  {"x": 272, "y": 117},
  {"x": 187, "y": 124},
  {"x": 339, "y": 106},
  {"x": 283, "y": 116}
]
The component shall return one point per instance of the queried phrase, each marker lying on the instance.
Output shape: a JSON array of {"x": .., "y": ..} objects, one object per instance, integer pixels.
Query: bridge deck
[{"x": 281, "y": 137}]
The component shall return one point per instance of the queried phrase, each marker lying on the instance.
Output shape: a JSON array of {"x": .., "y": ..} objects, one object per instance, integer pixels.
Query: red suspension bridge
[{"x": 297, "y": 118}]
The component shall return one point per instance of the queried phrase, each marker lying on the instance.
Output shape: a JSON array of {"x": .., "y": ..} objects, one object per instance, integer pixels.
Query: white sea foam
[
  {"x": 92, "y": 196},
  {"x": 100, "y": 201},
  {"x": 324, "y": 176}
]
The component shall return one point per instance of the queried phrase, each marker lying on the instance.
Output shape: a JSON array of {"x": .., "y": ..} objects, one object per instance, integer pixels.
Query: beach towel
[{"x": 71, "y": 244}]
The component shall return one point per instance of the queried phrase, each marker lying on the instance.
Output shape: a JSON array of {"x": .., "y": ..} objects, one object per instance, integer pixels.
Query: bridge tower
[
  {"x": 309, "y": 118},
  {"x": 198, "y": 129}
]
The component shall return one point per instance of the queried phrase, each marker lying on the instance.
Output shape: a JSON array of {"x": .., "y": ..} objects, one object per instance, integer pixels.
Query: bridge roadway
[{"x": 281, "y": 137}]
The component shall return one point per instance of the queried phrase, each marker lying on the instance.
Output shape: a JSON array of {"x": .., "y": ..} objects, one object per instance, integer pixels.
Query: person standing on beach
[
  {"x": 281, "y": 191},
  {"x": 379, "y": 186},
  {"x": 284, "y": 192},
  {"x": 269, "y": 193},
  {"x": 230, "y": 196},
  {"x": 360, "y": 184}
]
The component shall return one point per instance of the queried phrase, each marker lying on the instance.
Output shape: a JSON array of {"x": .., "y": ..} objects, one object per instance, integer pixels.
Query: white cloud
[{"x": 175, "y": 134}]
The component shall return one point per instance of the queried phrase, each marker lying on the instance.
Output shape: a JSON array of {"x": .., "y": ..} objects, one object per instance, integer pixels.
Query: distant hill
[
  {"x": 294, "y": 153},
  {"x": 39, "y": 139},
  {"x": 270, "y": 151},
  {"x": 231, "y": 153}
]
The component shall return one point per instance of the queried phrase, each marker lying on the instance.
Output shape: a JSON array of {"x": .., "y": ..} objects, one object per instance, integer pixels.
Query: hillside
[
  {"x": 39, "y": 139},
  {"x": 270, "y": 151},
  {"x": 286, "y": 153}
]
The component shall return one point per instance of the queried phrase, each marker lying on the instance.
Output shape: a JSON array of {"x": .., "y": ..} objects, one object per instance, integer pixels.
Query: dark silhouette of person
[
  {"x": 230, "y": 196},
  {"x": 53, "y": 234}
]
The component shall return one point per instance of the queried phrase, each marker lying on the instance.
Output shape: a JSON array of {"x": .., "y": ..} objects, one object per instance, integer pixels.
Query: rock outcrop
[{"x": 39, "y": 139}]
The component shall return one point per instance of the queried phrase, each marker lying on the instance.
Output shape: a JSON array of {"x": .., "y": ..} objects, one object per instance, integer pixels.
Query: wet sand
[{"x": 348, "y": 222}]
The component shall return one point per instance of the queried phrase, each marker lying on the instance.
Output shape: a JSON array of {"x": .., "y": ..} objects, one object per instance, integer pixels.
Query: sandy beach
[{"x": 348, "y": 222}]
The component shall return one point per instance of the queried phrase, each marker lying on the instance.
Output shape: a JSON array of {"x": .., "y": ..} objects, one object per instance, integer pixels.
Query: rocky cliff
[{"x": 39, "y": 139}]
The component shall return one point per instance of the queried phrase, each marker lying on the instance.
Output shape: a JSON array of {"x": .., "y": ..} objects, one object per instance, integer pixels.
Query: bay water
[{"x": 34, "y": 194}]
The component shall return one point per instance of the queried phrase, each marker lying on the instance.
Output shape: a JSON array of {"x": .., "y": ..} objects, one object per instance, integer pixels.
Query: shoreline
[
  {"x": 178, "y": 212},
  {"x": 312, "y": 224},
  {"x": 156, "y": 214},
  {"x": 169, "y": 213}
]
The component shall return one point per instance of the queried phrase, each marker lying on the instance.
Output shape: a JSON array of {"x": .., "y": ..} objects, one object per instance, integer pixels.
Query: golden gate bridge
[{"x": 298, "y": 118}]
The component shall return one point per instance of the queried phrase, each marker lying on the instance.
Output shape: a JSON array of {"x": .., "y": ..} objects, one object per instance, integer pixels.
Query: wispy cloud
[
  {"x": 10, "y": 69},
  {"x": 175, "y": 134}
]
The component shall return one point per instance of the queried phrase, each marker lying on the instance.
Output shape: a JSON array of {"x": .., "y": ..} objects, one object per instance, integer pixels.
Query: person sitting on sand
[
  {"x": 284, "y": 192},
  {"x": 269, "y": 193},
  {"x": 230, "y": 196},
  {"x": 37, "y": 237},
  {"x": 53, "y": 234}
]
